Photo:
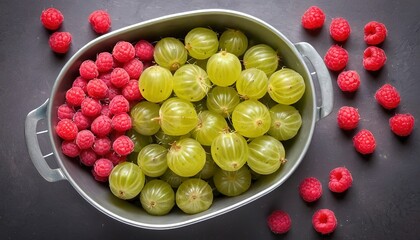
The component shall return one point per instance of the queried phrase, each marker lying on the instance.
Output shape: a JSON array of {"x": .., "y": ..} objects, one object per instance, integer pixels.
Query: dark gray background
[{"x": 384, "y": 202}]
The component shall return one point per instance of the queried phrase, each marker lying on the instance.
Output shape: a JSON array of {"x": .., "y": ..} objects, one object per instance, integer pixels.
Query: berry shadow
[
  {"x": 349, "y": 133},
  {"x": 349, "y": 95},
  {"x": 312, "y": 33},
  {"x": 339, "y": 196},
  {"x": 376, "y": 74}
]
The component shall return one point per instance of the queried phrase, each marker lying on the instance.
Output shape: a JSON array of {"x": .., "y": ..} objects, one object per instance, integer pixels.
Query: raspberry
[
  {"x": 375, "y": 33},
  {"x": 279, "y": 222},
  {"x": 96, "y": 88},
  {"x": 313, "y": 18},
  {"x": 51, "y": 18},
  {"x": 134, "y": 68},
  {"x": 75, "y": 96},
  {"x": 104, "y": 62},
  {"x": 88, "y": 157},
  {"x": 121, "y": 122},
  {"x": 70, "y": 149},
  {"x": 324, "y": 221},
  {"x": 88, "y": 70},
  {"x": 80, "y": 82},
  {"x": 310, "y": 189},
  {"x": 119, "y": 77},
  {"x": 100, "y": 21},
  {"x": 98, "y": 178},
  {"x": 348, "y": 81},
  {"x": 106, "y": 77},
  {"x": 91, "y": 107},
  {"x": 85, "y": 139},
  {"x": 131, "y": 91},
  {"x": 388, "y": 96},
  {"x": 102, "y": 146},
  {"x": 105, "y": 111},
  {"x": 123, "y": 145},
  {"x": 348, "y": 118},
  {"x": 144, "y": 50},
  {"x": 340, "y": 180},
  {"x": 82, "y": 122},
  {"x": 123, "y": 51},
  {"x": 402, "y": 124},
  {"x": 115, "y": 158},
  {"x": 336, "y": 58},
  {"x": 101, "y": 126},
  {"x": 119, "y": 104},
  {"x": 340, "y": 29},
  {"x": 60, "y": 42},
  {"x": 65, "y": 111},
  {"x": 374, "y": 58},
  {"x": 66, "y": 129},
  {"x": 364, "y": 142},
  {"x": 112, "y": 92},
  {"x": 103, "y": 167}
]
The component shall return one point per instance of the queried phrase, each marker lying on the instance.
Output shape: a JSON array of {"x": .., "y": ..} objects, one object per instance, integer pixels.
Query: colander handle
[
  {"x": 51, "y": 175},
  {"x": 320, "y": 73}
]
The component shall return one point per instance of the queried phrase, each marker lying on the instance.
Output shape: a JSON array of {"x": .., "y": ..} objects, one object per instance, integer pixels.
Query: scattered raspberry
[
  {"x": 60, "y": 42},
  {"x": 101, "y": 126},
  {"x": 336, "y": 58},
  {"x": 364, "y": 142},
  {"x": 70, "y": 149},
  {"x": 65, "y": 111},
  {"x": 348, "y": 118},
  {"x": 313, "y": 18},
  {"x": 340, "y": 180},
  {"x": 340, "y": 29},
  {"x": 279, "y": 222},
  {"x": 66, "y": 129},
  {"x": 115, "y": 158},
  {"x": 375, "y": 33},
  {"x": 123, "y": 51},
  {"x": 348, "y": 81},
  {"x": 104, "y": 62},
  {"x": 144, "y": 50},
  {"x": 119, "y": 77},
  {"x": 102, "y": 146},
  {"x": 103, "y": 167},
  {"x": 374, "y": 58},
  {"x": 324, "y": 221},
  {"x": 131, "y": 91},
  {"x": 310, "y": 189},
  {"x": 402, "y": 124},
  {"x": 85, "y": 139},
  {"x": 96, "y": 88},
  {"x": 88, "y": 157},
  {"x": 100, "y": 21},
  {"x": 121, "y": 122},
  {"x": 75, "y": 96},
  {"x": 123, "y": 145},
  {"x": 82, "y": 122},
  {"x": 91, "y": 107},
  {"x": 51, "y": 18},
  {"x": 88, "y": 70},
  {"x": 81, "y": 83},
  {"x": 388, "y": 96},
  {"x": 119, "y": 105},
  {"x": 98, "y": 178},
  {"x": 134, "y": 68}
]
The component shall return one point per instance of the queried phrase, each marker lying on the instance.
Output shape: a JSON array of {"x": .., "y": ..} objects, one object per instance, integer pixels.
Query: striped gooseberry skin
[
  {"x": 233, "y": 41},
  {"x": 194, "y": 195},
  {"x": 191, "y": 83},
  {"x": 252, "y": 84},
  {"x": 232, "y": 183},
  {"x": 263, "y": 57},
  {"x": 177, "y": 116},
  {"x": 201, "y": 43},
  {"x": 186, "y": 157},
  {"x": 230, "y": 151},
  {"x": 126, "y": 180},
  {"x": 222, "y": 100},
  {"x": 266, "y": 155},
  {"x": 157, "y": 197},
  {"x": 209, "y": 126},
  {"x": 223, "y": 68},
  {"x": 251, "y": 118},
  {"x": 285, "y": 122},
  {"x": 170, "y": 53},
  {"x": 286, "y": 86},
  {"x": 152, "y": 160},
  {"x": 156, "y": 84}
]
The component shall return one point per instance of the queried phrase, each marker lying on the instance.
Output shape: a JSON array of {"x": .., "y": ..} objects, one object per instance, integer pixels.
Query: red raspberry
[
  {"x": 51, "y": 18},
  {"x": 91, "y": 107},
  {"x": 121, "y": 122},
  {"x": 336, "y": 58},
  {"x": 65, "y": 111},
  {"x": 103, "y": 167},
  {"x": 119, "y": 105},
  {"x": 374, "y": 58},
  {"x": 106, "y": 77},
  {"x": 70, "y": 149},
  {"x": 340, "y": 29},
  {"x": 348, "y": 118},
  {"x": 66, "y": 129},
  {"x": 119, "y": 77},
  {"x": 96, "y": 88},
  {"x": 348, "y": 81},
  {"x": 144, "y": 50},
  {"x": 80, "y": 82},
  {"x": 60, "y": 42},
  {"x": 364, "y": 142},
  {"x": 310, "y": 189},
  {"x": 104, "y": 62},
  {"x": 75, "y": 96},
  {"x": 123, "y": 51},
  {"x": 82, "y": 122},
  {"x": 112, "y": 92},
  {"x": 123, "y": 145},
  {"x": 388, "y": 96},
  {"x": 324, "y": 221},
  {"x": 375, "y": 33},
  {"x": 313, "y": 18},
  {"x": 340, "y": 180},
  {"x": 101, "y": 126},
  {"x": 134, "y": 68},
  {"x": 115, "y": 158},
  {"x": 131, "y": 91},
  {"x": 88, "y": 70},
  {"x": 88, "y": 157},
  {"x": 100, "y": 21},
  {"x": 402, "y": 124},
  {"x": 279, "y": 222},
  {"x": 105, "y": 111},
  {"x": 98, "y": 178},
  {"x": 85, "y": 139},
  {"x": 102, "y": 146}
]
